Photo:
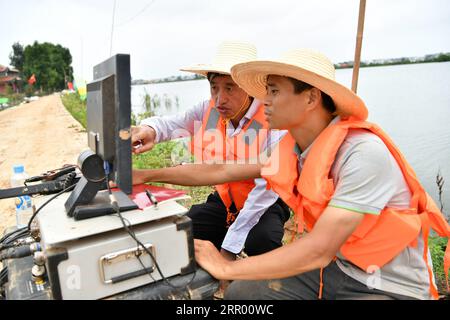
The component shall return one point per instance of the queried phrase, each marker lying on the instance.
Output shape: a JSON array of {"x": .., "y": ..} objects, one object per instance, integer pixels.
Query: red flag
[{"x": 32, "y": 80}]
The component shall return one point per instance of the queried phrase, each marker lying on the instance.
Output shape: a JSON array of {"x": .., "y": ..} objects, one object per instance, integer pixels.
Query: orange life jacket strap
[
  {"x": 226, "y": 199},
  {"x": 299, "y": 219},
  {"x": 231, "y": 217},
  {"x": 321, "y": 284},
  {"x": 293, "y": 235}
]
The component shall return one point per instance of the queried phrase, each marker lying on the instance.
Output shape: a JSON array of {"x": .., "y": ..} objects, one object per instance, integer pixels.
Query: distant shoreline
[
  {"x": 342, "y": 65},
  {"x": 365, "y": 65},
  {"x": 145, "y": 82}
]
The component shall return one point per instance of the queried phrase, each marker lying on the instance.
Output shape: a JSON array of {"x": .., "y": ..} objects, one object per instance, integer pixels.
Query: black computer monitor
[
  {"x": 109, "y": 140},
  {"x": 109, "y": 117}
]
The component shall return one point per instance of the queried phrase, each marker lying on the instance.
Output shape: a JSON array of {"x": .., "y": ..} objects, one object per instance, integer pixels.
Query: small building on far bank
[{"x": 9, "y": 77}]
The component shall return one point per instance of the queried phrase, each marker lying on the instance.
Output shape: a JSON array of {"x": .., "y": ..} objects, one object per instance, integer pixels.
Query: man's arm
[
  {"x": 198, "y": 174},
  {"x": 313, "y": 251},
  {"x": 258, "y": 201},
  {"x": 158, "y": 129}
]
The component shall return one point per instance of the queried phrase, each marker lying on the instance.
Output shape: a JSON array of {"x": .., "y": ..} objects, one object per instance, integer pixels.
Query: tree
[
  {"x": 442, "y": 57},
  {"x": 16, "y": 57},
  {"x": 51, "y": 64}
]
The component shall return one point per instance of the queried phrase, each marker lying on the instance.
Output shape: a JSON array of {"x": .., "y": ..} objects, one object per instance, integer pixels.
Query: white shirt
[{"x": 259, "y": 199}]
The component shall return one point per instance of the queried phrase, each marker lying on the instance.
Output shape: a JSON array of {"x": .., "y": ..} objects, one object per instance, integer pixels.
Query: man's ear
[{"x": 314, "y": 97}]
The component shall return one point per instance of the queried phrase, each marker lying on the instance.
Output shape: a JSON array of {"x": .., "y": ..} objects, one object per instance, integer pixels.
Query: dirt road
[{"x": 42, "y": 136}]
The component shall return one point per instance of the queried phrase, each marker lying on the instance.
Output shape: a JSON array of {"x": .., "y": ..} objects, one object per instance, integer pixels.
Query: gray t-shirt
[{"x": 367, "y": 179}]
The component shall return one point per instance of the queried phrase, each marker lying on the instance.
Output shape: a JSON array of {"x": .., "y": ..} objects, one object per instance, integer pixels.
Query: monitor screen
[{"x": 109, "y": 117}]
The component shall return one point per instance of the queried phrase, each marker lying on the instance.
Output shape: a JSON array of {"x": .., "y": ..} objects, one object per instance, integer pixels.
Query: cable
[
  {"x": 13, "y": 238},
  {"x": 5, "y": 239},
  {"x": 16, "y": 252},
  {"x": 135, "y": 16},
  {"x": 139, "y": 243},
  {"x": 52, "y": 174},
  {"x": 47, "y": 202},
  {"x": 6, "y": 246},
  {"x": 3, "y": 276},
  {"x": 133, "y": 235}
]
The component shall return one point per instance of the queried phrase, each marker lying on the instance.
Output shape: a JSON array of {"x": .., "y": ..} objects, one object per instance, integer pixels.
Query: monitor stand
[
  {"x": 86, "y": 201},
  {"x": 101, "y": 205}
]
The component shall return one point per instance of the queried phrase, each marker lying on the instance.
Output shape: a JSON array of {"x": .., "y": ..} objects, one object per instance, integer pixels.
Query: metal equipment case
[{"x": 96, "y": 258}]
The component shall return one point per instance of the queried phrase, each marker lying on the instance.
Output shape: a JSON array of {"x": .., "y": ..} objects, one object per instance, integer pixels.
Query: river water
[{"x": 410, "y": 102}]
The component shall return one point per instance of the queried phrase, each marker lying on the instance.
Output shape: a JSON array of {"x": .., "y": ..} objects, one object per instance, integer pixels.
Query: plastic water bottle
[{"x": 23, "y": 204}]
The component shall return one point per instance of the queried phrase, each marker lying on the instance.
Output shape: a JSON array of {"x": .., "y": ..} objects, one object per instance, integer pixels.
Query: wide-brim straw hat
[
  {"x": 305, "y": 65},
  {"x": 228, "y": 54}
]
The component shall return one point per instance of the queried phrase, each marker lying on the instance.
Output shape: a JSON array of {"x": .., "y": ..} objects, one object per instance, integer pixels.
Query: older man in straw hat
[
  {"x": 239, "y": 215},
  {"x": 367, "y": 216}
]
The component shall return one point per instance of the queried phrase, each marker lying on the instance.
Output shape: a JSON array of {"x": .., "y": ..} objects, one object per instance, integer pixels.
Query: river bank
[{"x": 42, "y": 136}]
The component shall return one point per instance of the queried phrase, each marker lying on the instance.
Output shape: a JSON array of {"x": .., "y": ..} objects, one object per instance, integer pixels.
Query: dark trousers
[
  {"x": 209, "y": 223},
  {"x": 336, "y": 286}
]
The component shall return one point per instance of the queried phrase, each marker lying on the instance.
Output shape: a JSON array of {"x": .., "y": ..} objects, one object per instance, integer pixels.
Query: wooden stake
[{"x": 359, "y": 37}]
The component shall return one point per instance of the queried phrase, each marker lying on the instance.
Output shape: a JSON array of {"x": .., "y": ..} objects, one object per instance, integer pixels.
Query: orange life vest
[
  {"x": 379, "y": 238},
  {"x": 212, "y": 143}
]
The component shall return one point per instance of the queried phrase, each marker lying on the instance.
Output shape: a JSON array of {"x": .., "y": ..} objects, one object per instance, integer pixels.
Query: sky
[{"x": 164, "y": 35}]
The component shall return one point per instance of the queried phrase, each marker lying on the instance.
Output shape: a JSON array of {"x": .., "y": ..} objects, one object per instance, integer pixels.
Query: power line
[
  {"x": 138, "y": 14},
  {"x": 112, "y": 27}
]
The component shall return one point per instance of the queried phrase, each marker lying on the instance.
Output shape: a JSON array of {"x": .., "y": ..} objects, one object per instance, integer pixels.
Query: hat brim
[
  {"x": 252, "y": 77},
  {"x": 204, "y": 69}
]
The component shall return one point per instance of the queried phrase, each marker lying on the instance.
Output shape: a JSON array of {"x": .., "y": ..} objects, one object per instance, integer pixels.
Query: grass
[
  {"x": 437, "y": 247},
  {"x": 76, "y": 107},
  {"x": 13, "y": 98}
]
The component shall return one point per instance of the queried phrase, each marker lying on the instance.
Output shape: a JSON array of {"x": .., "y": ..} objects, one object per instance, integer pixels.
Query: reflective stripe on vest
[
  {"x": 378, "y": 239},
  {"x": 251, "y": 133},
  {"x": 213, "y": 119},
  {"x": 213, "y": 142}
]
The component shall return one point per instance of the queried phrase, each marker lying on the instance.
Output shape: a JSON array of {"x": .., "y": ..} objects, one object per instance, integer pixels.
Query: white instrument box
[{"x": 96, "y": 258}]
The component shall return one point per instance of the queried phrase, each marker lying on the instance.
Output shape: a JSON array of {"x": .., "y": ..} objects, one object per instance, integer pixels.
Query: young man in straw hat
[
  {"x": 367, "y": 217},
  {"x": 239, "y": 215}
]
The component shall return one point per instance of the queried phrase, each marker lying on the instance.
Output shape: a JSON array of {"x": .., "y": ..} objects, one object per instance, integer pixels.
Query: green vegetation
[
  {"x": 442, "y": 57},
  {"x": 50, "y": 63},
  {"x": 11, "y": 99},
  {"x": 150, "y": 105},
  {"x": 17, "y": 56},
  {"x": 76, "y": 107},
  {"x": 437, "y": 247},
  {"x": 169, "y": 79},
  {"x": 153, "y": 103},
  {"x": 438, "y": 57}
]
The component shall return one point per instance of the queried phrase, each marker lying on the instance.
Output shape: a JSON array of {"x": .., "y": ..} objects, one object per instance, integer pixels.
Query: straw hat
[
  {"x": 305, "y": 65},
  {"x": 228, "y": 54}
]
